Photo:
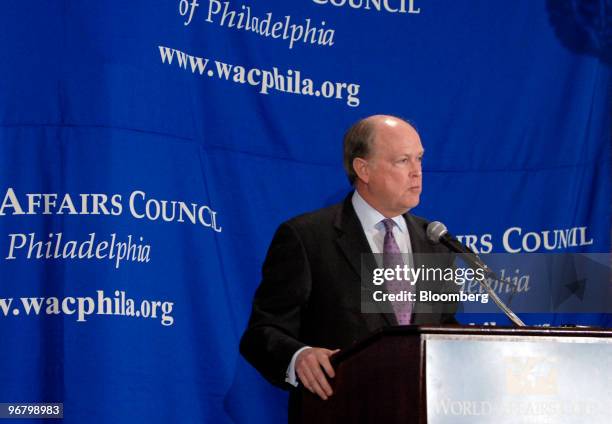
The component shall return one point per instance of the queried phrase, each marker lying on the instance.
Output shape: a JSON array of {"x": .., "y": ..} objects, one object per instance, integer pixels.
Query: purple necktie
[{"x": 391, "y": 258}]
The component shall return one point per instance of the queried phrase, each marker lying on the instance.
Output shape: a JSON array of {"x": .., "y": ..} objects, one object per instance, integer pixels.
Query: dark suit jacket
[{"x": 310, "y": 293}]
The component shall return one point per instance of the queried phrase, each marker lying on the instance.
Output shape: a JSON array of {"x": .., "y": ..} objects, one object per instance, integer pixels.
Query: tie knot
[{"x": 389, "y": 224}]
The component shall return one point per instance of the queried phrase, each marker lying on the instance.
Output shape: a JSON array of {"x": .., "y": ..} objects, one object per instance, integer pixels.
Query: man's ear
[{"x": 360, "y": 166}]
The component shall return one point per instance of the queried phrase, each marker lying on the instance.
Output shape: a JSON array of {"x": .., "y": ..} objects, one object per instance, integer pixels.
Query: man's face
[{"x": 394, "y": 168}]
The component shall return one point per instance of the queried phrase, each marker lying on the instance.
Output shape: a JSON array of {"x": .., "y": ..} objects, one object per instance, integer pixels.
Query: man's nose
[{"x": 416, "y": 170}]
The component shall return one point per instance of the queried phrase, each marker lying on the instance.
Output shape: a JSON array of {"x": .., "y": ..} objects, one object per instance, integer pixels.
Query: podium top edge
[
  {"x": 497, "y": 331},
  {"x": 458, "y": 330}
]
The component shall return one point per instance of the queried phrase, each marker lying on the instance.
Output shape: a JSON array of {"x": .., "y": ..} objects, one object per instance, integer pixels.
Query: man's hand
[{"x": 309, "y": 366}]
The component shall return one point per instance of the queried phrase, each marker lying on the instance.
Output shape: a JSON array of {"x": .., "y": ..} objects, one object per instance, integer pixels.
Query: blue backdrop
[{"x": 149, "y": 149}]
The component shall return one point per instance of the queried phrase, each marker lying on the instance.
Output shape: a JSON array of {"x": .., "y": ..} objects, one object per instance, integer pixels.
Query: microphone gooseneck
[{"x": 438, "y": 233}]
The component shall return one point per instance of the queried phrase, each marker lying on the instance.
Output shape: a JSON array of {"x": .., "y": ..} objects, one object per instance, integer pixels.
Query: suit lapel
[
  {"x": 351, "y": 238},
  {"x": 423, "y": 255},
  {"x": 355, "y": 247},
  {"x": 418, "y": 237}
]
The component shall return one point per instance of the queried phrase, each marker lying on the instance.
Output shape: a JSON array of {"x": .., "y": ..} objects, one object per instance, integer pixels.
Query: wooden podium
[{"x": 433, "y": 375}]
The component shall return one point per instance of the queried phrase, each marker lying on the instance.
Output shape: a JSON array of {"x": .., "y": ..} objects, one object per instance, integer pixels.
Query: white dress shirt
[{"x": 374, "y": 229}]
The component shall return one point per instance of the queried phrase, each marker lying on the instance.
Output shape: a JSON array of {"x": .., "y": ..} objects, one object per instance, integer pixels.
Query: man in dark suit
[{"x": 309, "y": 303}]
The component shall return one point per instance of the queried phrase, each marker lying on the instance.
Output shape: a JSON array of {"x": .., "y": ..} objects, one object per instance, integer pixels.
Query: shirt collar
[{"x": 370, "y": 217}]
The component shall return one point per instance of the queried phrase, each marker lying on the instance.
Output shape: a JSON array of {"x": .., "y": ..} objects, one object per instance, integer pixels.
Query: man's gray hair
[{"x": 358, "y": 142}]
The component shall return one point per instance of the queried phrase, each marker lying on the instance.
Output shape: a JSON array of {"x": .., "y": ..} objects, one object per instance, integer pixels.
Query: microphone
[{"x": 438, "y": 233}]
